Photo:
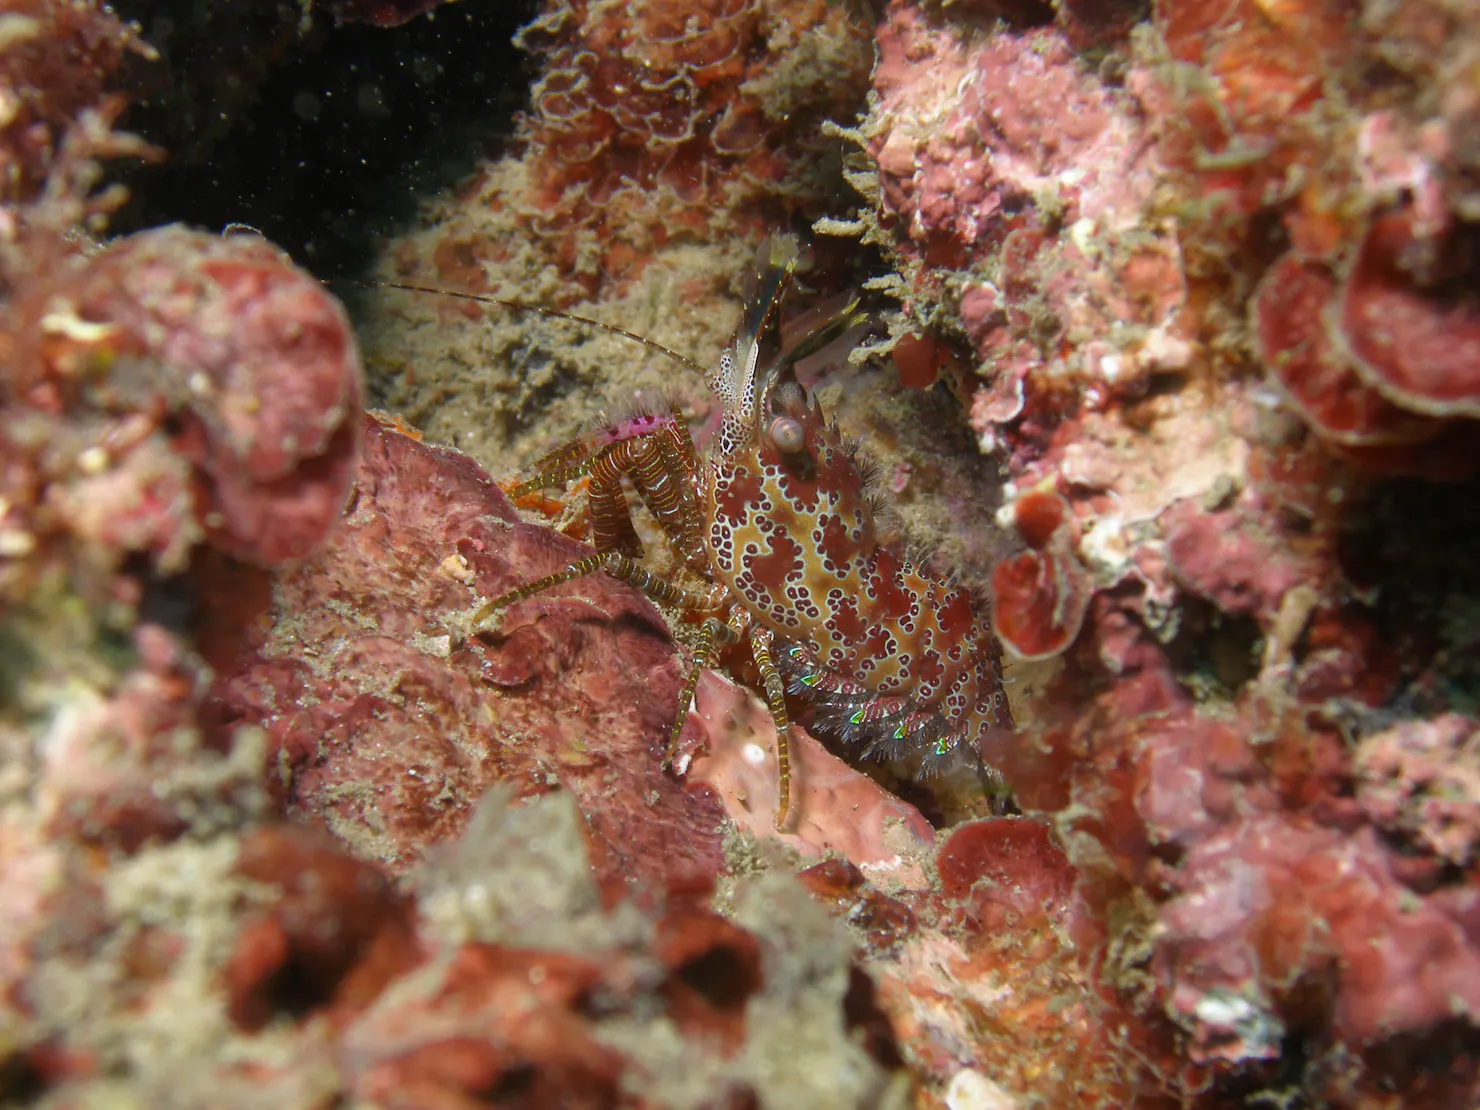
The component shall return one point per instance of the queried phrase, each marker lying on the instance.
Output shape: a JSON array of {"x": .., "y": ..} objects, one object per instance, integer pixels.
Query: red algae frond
[
  {"x": 1410, "y": 315},
  {"x": 1289, "y": 319},
  {"x": 1040, "y": 597},
  {"x": 1384, "y": 364}
]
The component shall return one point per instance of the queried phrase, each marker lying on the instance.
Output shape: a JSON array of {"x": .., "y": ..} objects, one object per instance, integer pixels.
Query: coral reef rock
[{"x": 1179, "y": 307}]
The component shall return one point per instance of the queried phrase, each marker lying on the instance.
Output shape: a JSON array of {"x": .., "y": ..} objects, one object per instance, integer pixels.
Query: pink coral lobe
[
  {"x": 841, "y": 811},
  {"x": 1232, "y": 559},
  {"x": 1270, "y": 902},
  {"x": 258, "y": 362},
  {"x": 1005, "y": 868},
  {"x": 975, "y": 129}
]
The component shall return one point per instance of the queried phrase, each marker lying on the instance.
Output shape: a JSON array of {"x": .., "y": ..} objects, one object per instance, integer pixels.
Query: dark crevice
[
  {"x": 321, "y": 137},
  {"x": 723, "y": 977}
]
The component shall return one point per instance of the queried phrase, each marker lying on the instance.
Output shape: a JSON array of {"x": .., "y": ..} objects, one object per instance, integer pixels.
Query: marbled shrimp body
[
  {"x": 793, "y": 537},
  {"x": 891, "y": 655},
  {"x": 777, "y": 522}
]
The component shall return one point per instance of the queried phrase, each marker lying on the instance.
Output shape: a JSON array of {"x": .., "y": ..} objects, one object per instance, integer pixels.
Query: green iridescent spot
[
  {"x": 899, "y": 732},
  {"x": 811, "y": 679},
  {"x": 857, "y": 717},
  {"x": 941, "y": 747}
]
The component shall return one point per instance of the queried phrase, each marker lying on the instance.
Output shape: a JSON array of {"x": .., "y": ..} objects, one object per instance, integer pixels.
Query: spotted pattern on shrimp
[{"x": 914, "y": 644}]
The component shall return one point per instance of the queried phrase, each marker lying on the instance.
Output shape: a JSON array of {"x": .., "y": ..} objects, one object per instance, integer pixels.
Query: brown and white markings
[{"x": 775, "y": 527}]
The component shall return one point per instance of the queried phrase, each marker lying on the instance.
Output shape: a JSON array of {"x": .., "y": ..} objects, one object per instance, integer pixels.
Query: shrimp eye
[{"x": 787, "y": 434}]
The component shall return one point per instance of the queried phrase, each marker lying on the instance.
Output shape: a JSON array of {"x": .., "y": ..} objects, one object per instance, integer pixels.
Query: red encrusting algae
[
  {"x": 1218, "y": 287},
  {"x": 1039, "y": 597}
]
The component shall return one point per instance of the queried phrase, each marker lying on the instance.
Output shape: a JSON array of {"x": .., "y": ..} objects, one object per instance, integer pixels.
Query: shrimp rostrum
[{"x": 776, "y": 521}]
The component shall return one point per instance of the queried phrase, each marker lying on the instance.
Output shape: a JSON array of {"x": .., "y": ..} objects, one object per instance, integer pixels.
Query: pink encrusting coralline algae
[
  {"x": 284, "y": 820},
  {"x": 1216, "y": 281}
]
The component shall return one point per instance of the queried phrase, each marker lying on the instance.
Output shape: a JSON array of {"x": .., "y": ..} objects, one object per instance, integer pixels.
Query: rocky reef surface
[{"x": 1175, "y": 357}]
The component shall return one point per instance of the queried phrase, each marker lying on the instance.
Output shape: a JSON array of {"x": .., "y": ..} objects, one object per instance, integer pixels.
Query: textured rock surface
[{"x": 389, "y": 717}]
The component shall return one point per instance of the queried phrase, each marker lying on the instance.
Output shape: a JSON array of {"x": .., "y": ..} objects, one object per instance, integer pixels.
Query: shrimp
[{"x": 776, "y": 522}]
